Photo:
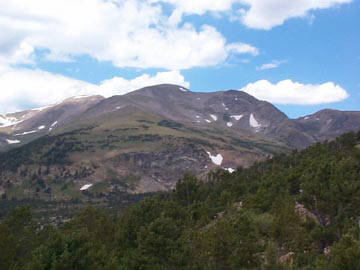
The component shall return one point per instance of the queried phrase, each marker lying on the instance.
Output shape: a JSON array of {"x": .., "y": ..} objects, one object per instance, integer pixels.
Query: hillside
[
  {"x": 297, "y": 211},
  {"x": 91, "y": 150}
]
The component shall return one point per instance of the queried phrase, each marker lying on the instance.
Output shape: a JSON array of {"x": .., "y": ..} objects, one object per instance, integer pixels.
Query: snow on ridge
[
  {"x": 217, "y": 160},
  {"x": 229, "y": 124},
  {"x": 41, "y": 127},
  {"x": 183, "y": 89},
  {"x": 13, "y": 141},
  {"x": 214, "y": 117},
  {"x": 53, "y": 124},
  {"x": 237, "y": 117},
  {"x": 85, "y": 187},
  {"x": 253, "y": 122},
  {"x": 8, "y": 121},
  {"x": 42, "y": 108},
  {"x": 80, "y": 96},
  {"x": 25, "y": 133}
]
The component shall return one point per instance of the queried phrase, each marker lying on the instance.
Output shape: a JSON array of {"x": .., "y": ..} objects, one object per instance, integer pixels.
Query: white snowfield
[
  {"x": 253, "y": 122},
  {"x": 237, "y": 117},
  {"x": 214, "y": 117},
  {"x": 229, "y": 124},
  {"x": 85, "y": 187},
  {"x": 217, "y": 160},
  {"x": 8, "y": 121},
  {"x": 25, "y": 133},
  {"x": 41, "y": 127},
  {"x": 13, "y": 141}
]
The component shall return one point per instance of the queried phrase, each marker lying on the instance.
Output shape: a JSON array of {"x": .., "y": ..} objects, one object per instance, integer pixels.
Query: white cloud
[
  {"x": 242, "y": 48},
  {"x": 272, "y": 65},
  {"x": 289, "y": 92},
  {"x": 25, "y": 88},
  {"x": 129, "y": 33},
  {"x": 121, "y": 86},
  {"x": 259, "y": 14},
  {"x": 265, "y": 14}
]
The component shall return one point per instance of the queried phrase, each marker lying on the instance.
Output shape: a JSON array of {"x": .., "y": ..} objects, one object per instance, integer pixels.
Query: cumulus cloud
[
  {"x": 129, "y": 33},
  {"x": 272, "y": 65},
  {"x": 265, "y": 14},
  {"x": 26, "y": 88},
  {"x": 259, "y": 14},
  {"x": 289, "y": 92},
  {"x": 242, "y": 48}
]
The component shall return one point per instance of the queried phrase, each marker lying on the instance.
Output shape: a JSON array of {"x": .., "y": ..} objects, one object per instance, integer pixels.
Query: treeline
[{"x": 297, "y": 211}]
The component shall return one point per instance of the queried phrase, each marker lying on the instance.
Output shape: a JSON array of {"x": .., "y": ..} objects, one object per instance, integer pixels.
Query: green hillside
[
  {"x": 291, "y": 212},
  {"x": 119, "y": 154}
]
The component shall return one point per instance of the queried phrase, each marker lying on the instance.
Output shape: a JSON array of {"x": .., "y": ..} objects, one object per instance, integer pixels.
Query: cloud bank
[
  {"x": 25, "y": 88},
  {"x": 128, "y": 33},
  {"x": 289, "y": 92}
]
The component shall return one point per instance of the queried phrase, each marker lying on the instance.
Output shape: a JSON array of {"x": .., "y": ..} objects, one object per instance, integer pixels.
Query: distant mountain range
[{"x": 144, "y": 141}]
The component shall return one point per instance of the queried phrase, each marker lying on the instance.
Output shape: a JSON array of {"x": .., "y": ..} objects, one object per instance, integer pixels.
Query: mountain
[
  {"x": 296, "y": 211},
  {"x": 93, "y": 149},
  {"x": 19, "y": 128}
]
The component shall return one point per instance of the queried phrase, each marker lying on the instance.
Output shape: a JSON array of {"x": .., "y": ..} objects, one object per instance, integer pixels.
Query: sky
[{"x": 300, "y": 55}]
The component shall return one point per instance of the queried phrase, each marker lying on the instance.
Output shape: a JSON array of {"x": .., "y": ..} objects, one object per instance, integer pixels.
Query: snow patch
[
  {"x": 223, "y": 105},
  {"x": 214, "y": 117},
  {"x": 197, "y": 117},
  {"x": 253, "y": 122},
  {"x": 81, "y": 96},
  {"x": 198, "y": 98},
  {"x": 237, "y": 117},
  {"x": 183, "y": 89},
  {"x": 8, "y": 121},
  {"x": 230, "y": 170},
  {"x": 25, "y": 133},
  {"x": 85, "y": 187},
  {"x": 217, "y": 160},
  {"x": 41, "y": 127},
  {"x": 13, "y": 141},
  {"x": 229, "y": 124},
  {"x": 307, "y": 117},
  {"x": 207, "y": 120},
  {"x": 54, "y": 124},
  {"x": 42, "y": 108},
  {"x": 226, "y": 109}
]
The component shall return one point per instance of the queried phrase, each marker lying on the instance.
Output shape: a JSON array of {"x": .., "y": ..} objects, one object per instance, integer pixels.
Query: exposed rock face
[
  {"x": 287, "y": 258},
  {"x": 305, "y": 213}
]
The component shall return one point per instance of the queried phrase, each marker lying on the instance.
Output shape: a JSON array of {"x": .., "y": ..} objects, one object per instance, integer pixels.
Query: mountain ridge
[{"x": 146, "y": 140}]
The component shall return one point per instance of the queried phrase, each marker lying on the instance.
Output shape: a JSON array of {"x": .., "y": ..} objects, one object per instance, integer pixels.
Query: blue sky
[{"x": 302, "y": 56}]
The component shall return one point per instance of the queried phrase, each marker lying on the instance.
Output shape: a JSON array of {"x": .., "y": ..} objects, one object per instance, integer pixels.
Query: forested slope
[{"x": 290, "y": 212}]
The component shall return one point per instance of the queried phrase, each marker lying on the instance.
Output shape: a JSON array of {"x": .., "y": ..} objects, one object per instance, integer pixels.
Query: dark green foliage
[{"x": 283, "y": 213}]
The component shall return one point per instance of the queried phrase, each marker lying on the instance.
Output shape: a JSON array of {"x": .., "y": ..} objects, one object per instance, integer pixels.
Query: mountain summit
[{"x": 147, "y": 139}]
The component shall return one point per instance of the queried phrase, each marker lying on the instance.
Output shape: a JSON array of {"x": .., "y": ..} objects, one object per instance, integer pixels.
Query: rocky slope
[{"x": 91, "y": 148}]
